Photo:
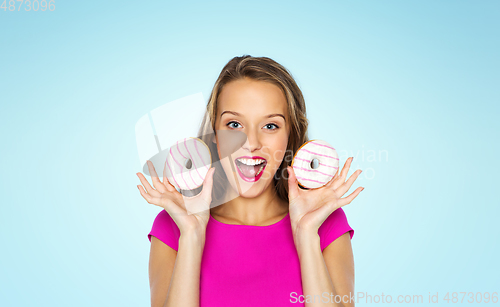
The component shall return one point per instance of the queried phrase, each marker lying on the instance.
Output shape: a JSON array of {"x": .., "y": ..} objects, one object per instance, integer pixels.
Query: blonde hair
[{"x": 262, "y": 69}]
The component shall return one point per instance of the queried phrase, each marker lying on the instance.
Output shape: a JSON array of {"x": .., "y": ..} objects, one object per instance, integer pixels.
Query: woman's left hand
[{"x": 310, "y": 208}]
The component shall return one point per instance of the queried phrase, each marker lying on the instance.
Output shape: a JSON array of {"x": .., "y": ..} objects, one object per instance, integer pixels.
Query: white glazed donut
[
  {"x": 327, "y": 167},
  {"x": 188, "y": 149}
]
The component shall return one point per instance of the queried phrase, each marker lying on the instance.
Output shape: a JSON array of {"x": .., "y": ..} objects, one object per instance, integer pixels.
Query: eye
[
  {"x": 232, "y": 122},
  {"x": 272, "y": 125}
]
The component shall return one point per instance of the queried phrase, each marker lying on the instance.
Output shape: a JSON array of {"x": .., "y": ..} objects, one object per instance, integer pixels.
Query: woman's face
[{"x": 258, "y": 109}]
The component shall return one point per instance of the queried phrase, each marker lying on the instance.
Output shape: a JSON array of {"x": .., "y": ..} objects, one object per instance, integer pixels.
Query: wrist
[
  {"x": 306, "y": 240},
  {"x": 193, "y": 238}
]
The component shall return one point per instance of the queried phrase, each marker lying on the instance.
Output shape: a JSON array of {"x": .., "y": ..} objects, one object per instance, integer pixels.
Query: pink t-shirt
[{"x": 245, "y": 265}]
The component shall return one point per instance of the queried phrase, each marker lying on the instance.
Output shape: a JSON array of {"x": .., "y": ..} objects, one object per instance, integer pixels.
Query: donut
[
  {"x": 188, "y": 162},
  {"x": 328, "y": 159}
]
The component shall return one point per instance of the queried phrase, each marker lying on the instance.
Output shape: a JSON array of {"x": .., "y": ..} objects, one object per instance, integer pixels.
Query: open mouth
[{"x": 250, "y": 168}]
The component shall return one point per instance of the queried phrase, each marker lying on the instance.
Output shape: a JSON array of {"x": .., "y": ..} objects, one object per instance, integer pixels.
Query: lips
[{"x": 250, "y": 168}]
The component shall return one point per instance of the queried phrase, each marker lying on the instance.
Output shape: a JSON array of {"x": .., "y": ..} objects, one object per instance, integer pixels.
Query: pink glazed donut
[
  {"x": 327, "y": 166},
  {"x": 188, "y": 162}
]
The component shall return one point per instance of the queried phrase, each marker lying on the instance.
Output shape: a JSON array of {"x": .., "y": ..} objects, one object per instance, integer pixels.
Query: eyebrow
[{"x": 268, "y": 116}]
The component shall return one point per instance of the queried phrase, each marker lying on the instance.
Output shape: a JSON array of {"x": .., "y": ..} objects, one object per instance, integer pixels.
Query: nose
[{"x": 253, "y": 142}]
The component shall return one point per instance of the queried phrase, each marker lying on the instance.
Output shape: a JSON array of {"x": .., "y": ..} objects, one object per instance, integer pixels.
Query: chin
[
  {"x": 250, "y": 194},
  {"x": 250, "y": 189}
]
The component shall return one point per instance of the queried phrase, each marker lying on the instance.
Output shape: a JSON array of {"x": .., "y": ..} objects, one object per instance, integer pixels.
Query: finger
[
  {"x": 293, "y": 188},
  {"x": 343, "y": 174},
  {"x": 208, "y": 184},
  {"x": 345, "y": 169},
  {"x": 336, "y": 174},
  {"x": 146, "y": 196},
  {"x": 166, "y": 182},
  {"x": 347, "y": 185},
  {"x": 159, "y": 186},
  {"x": 146, "y": 184},
  {"x": 202, "y": 201},
  {"x": 169, "y": 206},
  {"x": 330, "y": 183},
  {"x": 347, "y": 200}
]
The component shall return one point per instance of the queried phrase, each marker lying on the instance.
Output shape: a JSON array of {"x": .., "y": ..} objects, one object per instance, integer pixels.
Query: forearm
[
  {"x": 184, "y": 289},
  {"x": 316, "y": 281}
]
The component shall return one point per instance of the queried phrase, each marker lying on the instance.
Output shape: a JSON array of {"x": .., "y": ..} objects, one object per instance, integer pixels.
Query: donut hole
[
  {"x": 314, "y": 163},
  {"x": 188, "y": 163}
]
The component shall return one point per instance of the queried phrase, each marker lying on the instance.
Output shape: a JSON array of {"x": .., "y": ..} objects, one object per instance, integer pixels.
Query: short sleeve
[
  {"x": 165, "y": 229},
  {"x": 333, "y": 227}
]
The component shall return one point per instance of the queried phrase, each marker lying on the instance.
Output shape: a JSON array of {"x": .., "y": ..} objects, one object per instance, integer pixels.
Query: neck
[{"x": 253, "y": 211}]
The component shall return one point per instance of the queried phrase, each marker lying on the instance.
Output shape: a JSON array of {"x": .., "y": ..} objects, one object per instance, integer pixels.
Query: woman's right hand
[{"x": 191, "y": 214}]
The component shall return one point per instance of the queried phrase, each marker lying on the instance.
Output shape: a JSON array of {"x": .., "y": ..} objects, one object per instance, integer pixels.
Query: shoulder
[
  {"x": 333, "y": 227},
  {"x": 165, "y": 229}
]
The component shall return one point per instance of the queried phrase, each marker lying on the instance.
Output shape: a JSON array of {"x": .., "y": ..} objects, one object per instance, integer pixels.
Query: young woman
[{"x": 267, "y": 242}]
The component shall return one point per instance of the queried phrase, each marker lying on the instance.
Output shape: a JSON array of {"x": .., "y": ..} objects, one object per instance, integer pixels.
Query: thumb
[
  {"x": 208, "y": 183},
  {"x": 293, "y": 188}
]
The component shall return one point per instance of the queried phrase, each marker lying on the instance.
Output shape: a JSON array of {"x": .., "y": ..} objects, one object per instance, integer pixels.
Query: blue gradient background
[{"x": 416, "y": 81}]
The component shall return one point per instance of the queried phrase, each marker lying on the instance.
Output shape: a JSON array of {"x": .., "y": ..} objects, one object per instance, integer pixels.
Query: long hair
[{"x": 262, "y": 69}]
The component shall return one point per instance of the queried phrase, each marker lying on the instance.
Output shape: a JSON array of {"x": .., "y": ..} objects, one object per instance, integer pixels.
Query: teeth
[
  {"x": 260, "y": 169},
  {"x": 251, "y": 161}
]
